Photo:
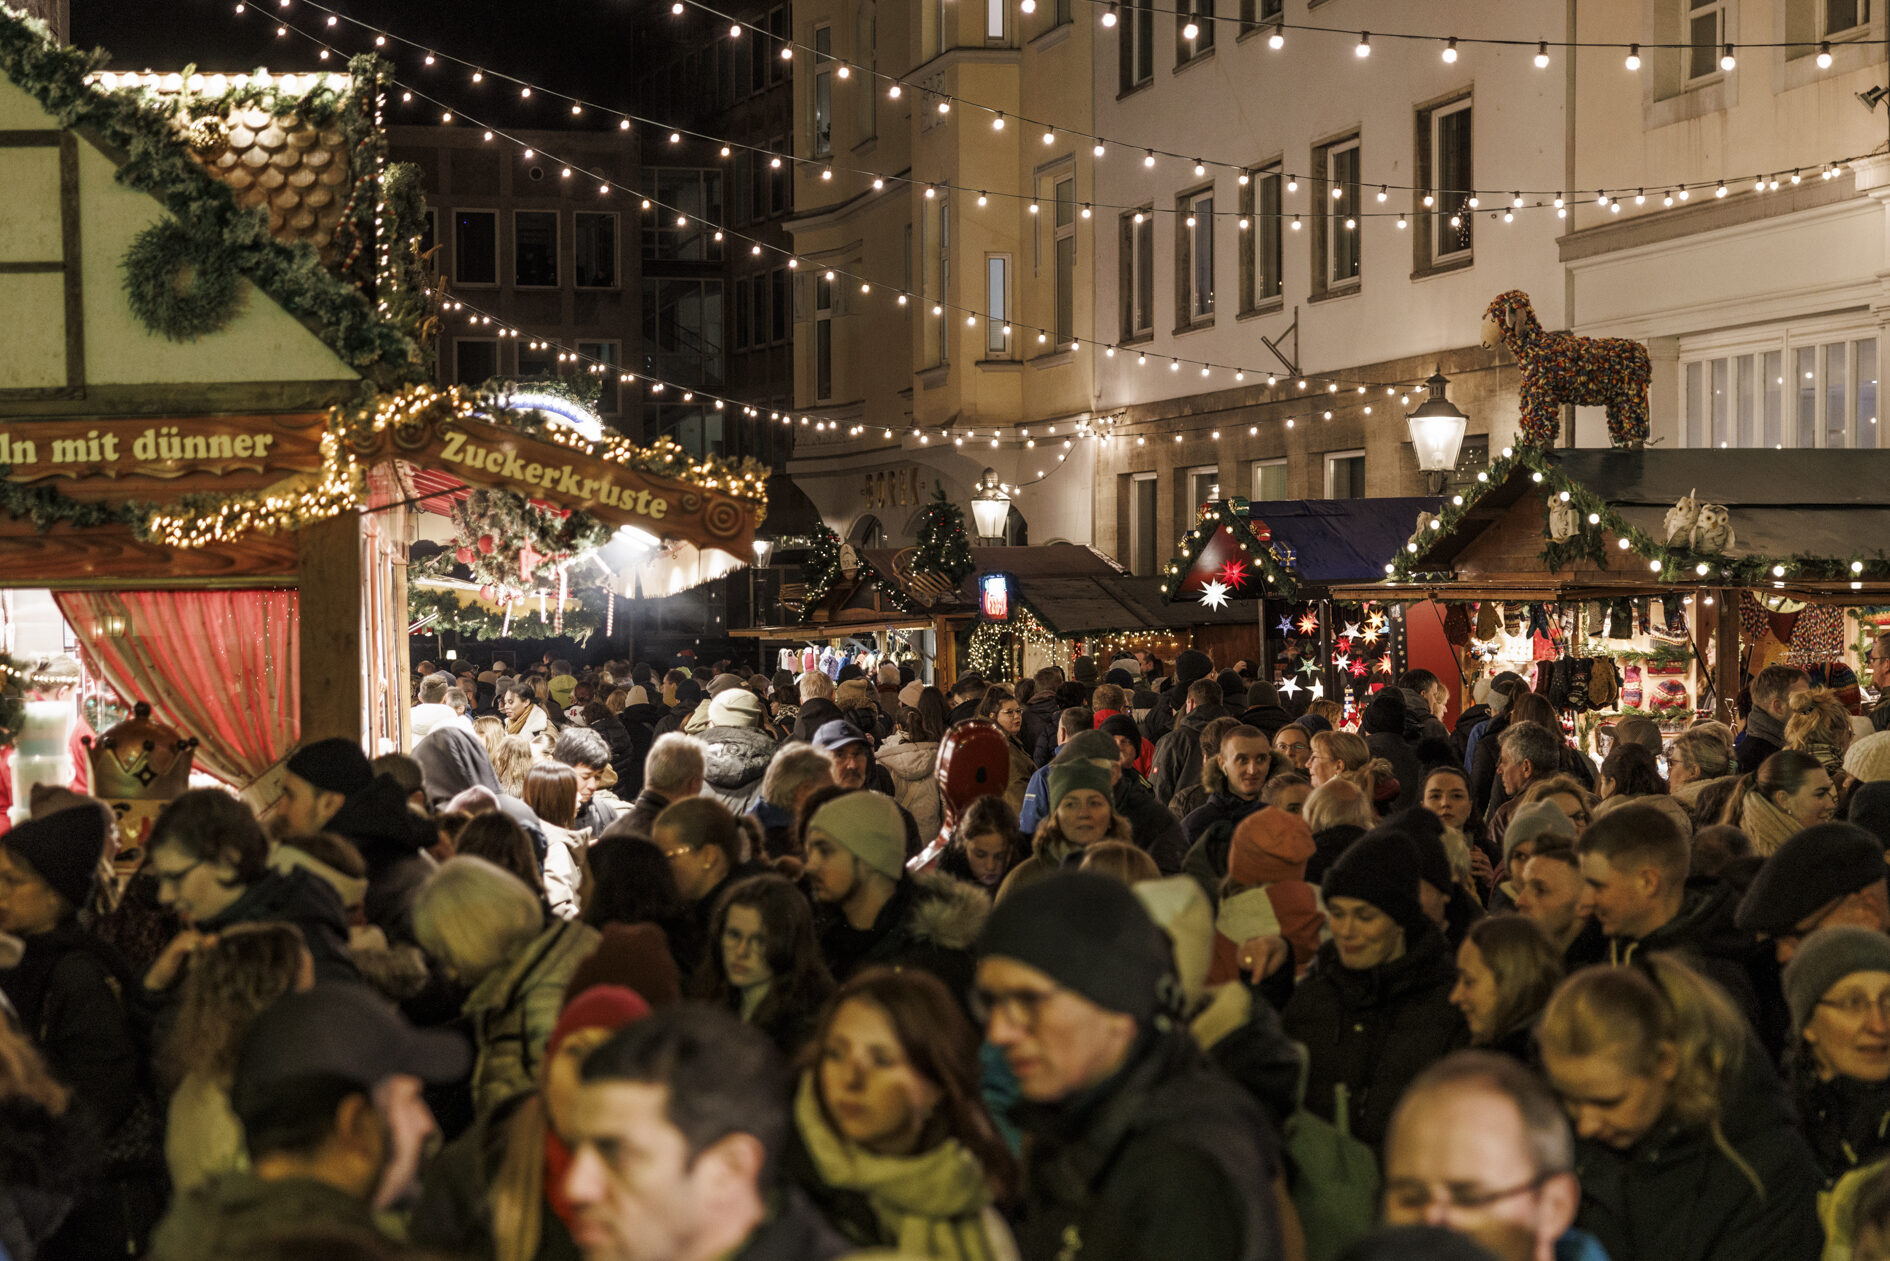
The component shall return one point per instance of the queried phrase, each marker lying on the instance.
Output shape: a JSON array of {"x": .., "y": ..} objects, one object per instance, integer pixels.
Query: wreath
[{"x": 181, "y": 284}]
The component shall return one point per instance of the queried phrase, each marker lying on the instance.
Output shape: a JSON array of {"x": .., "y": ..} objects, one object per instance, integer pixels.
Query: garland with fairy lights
[
  {"x": 507, "y": 541},
  {"x": 442, "y": 611},
  {"x": 1597, "y": 519},
  {"x": 944, "y": 548},
  {"x": 1264, "y": 557}
]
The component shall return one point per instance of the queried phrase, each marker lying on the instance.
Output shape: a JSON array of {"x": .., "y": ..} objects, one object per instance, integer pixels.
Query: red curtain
[{"x": 217, "y": 665}]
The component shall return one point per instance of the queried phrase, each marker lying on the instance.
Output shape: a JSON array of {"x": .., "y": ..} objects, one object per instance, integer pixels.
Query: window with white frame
[
  {"x": 1136, "y": 273},
  {"x": 1144, "y": 533},
  {"x": 1261, "y": 280},
  {"x": 821, "y": 131},
  {"x": 1194, "y": 256},
  {"x": 1338, "y": 252},
  {"x": 1135, "y": 44},
  {"x": 1198, "y": 14},
  {"x": 596, "y": 249},
  {"x": 823, "y": 337},
  {"x": 1269, "y": 480},
  {"x": 1705, "y": 38},
  {"x": 1444, "y": 168},
  {"x": 997, "y": 305},
  {"x": 1345, "y": 475},
  {"x": 1199, "y": 486},
  {"x": 1807, "y": 390}
]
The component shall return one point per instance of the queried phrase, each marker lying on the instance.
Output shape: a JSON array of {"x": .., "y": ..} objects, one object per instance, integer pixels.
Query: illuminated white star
[
  {"x": 1214, "y": 594},
  {"x": 1351, "y": 630},
  {"x": 1289, "y": 687},
  {"x": 1318, "y": 689}
]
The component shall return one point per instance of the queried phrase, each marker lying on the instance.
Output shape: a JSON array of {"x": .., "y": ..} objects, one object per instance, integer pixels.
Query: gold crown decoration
[{"x": 140, "y": 759}]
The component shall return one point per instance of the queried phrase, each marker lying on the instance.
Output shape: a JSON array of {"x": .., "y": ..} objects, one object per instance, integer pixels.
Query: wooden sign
[{"x": 214, "y": 448}]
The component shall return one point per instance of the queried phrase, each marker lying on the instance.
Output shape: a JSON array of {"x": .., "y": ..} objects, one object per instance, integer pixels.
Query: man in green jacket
[{"x": 328, "y": 1089}]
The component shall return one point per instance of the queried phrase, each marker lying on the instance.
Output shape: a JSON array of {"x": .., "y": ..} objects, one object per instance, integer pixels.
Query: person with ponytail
[
  {"x": 1790, "y": 792},
  {"x": 1686, "y": 1147}
]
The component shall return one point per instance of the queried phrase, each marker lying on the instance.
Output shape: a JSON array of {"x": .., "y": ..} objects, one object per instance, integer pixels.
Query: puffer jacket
[
  {"x": 912, "y": 765},
  {"x": 304, "y": 899},
  {"x": 515, "y": 1007},
  {"x": 931, "y": 922},
  {"x": 1369, "y": 1031},
  {"x": 1178, "y": 754},
  {"x": 735, "y": 761}
]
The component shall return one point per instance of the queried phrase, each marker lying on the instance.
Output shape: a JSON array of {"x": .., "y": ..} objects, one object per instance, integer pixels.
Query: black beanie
[
  {"x": 1870, "y": 809},
  {"x": 1087, "y": 933},
  {"x": 64, "y": 848},
  {"x": 1190, "y": 666},
  {"x": 335, "y": 765},
  {"x": 1425, "y": 831},
  {"x": 1384, "y": 713},
  {"x": 1381, "y": 869},
  {"x": 1807, "y": 873}
]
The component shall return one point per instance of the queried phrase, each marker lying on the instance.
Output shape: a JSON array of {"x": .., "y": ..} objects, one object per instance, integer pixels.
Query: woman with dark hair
[
  {"x": 496, "y": 838},
  {"x": 633, "y": 883},
  {"x": 895, "y": 1146},
  {"x": 1001, "y": 706},
  {"x": 985, "y": 845},
  {"x": 763, "y": 963},
  {"x": 1506, "y": 970},
  {"x": 1790, "y": 792},
  {"x": 551, "y": 792},
  {"x": 1630, "y": 770}
]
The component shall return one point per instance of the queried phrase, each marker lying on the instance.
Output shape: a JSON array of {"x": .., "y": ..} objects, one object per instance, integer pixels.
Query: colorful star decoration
[
  {"x": 1371, "y": 635},
  {"x": 1309, "y": 666},
  {"x": 1384, "y": 664},
  {"x": 1358, "y": 668},
  {"x": 1350, "y": 631},
  {"x": 1376, "y": 621},
  {"x": 1308, "y": 624},
  {"x": 1286, "y": 625},
  {"x": 1342, "y": 643},
  {"x": 1289, "y": 687},
  {"x": 1214, "y": 594},
  {"x": 1233, "y": 573}
]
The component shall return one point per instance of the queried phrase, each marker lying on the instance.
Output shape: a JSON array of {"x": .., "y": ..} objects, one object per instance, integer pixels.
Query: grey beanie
[{"x": 1827, "y": 957}]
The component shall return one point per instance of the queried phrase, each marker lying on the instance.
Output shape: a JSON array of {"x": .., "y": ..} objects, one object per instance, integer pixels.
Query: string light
[
  {"x": 1450, "y": 51},
  {"x": 1542, "y": 55},
  {"x": 1634, "y": 57}
]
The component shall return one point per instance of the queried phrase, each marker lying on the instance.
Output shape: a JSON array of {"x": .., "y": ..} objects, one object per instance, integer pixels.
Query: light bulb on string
[
  {"x": 1633, "y": 57},
  {"x": 1109, "y": 14},
  {"x": 1450, "y": 51},
  {"x": 1726, "y": 59},
  {"x": 1542, "y": 55},
  {"x": 1277, "y": 40},
  {"x": 1824, "y": 55},
  {"x": 1364, "y": 46},
  {"x": 1190, "y": 30}
]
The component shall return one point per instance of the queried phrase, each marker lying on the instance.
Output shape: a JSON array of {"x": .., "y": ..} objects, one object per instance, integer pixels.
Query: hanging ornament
[
  {"x": 505, "y": 628},
  {"x": 541, "y": 604},
  {"x": 1286, "y": 624},
  {"x": 1359, "y": 668},
  {"x": 1384, "y": 664},
  {"x": 1289, "y": 687},
  {"x": 528, "y": 561},
  {"x": 557, "y": 621},
  {"x": 610, "y": 614},
  {"x": 1214, "y": 594},
  {"x": 1308, "y": 624},
  {"x": 486, "y": 544},
  {"x": 1351, "y": 631},
  {"x": 1233, "y": 573}
]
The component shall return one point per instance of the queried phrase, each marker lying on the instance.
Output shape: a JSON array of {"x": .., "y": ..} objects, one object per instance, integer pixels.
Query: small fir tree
[{"x": 944, "y": 548}]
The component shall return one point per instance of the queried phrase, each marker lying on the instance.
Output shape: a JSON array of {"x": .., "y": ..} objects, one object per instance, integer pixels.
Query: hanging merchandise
[{"x": 1631, "y": 695}]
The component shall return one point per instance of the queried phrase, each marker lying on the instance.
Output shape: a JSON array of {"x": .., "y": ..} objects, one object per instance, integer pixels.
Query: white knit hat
[{"x": 1869, "y": 759}]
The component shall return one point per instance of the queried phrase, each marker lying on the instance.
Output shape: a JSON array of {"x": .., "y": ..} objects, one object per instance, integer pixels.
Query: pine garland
[
  {"x": 511, "y": 543},
  {"x": 822, "y": 566},
  {"x": 943, "y": 548},
  {"x": 482, "y": 624},
  {"x": 1266, "y": 558},
  {"x": 45, "y": 507}
]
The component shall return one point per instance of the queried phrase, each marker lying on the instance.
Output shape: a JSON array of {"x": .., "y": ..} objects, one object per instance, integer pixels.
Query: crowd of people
[{"x": 1141, "y": 963}]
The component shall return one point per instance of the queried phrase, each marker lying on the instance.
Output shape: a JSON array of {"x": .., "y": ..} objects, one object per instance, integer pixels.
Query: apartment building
[{"x": 952, "y": 195}]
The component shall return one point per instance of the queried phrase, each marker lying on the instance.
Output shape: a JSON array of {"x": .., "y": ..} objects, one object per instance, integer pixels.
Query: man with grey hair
[
  {"x": 817, "y": 706},
  {"x": 796, "y": 771},
  {"x": 1479, "y": 1146},
  {"x": 433, "y": 712},
  {"x": 673, "y": 771},
  {"x": 1526, "y": 752}
]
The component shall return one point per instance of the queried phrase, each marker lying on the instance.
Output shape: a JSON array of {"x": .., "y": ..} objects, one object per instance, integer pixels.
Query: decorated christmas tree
[
  {"x": 822, "y": 565},
  {"x": 943, "y": 547}
]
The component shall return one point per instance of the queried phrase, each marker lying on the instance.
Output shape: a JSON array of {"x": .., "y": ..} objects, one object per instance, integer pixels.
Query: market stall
[{"x": 1654, "y": 582}]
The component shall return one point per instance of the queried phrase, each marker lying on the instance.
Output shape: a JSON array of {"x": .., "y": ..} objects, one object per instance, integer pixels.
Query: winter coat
[
  {"x": 930, "y": 922},
  {"x": 934, "y": 1203},
  {"x": 46, "y": 1162},
  {"x": 514, "y": 1008},
  {"x": 393, "y": 840},
  {"x": 1420, "y": 723},
  {"x": 1267, "y": 718},
  {"x": 815, "y": 714},
  {"x": 1050, "y": 852},
  {"x": 1764, "y": 735},
  {"x": 564, "y": 870},
  {"x": 1676, "y": 1196},
  {"x": 639, "y": 721},
  {"x": 793, "y": 1231},
  {"x": 641, "y": 816},
  {"x": 1178, "y": 754},
  {"x": 454, "y": 1213},
  {"x": 1467, "y": 723},
  {"x": 735, "y": 761},
  {"x": 1145, "y": 755},
  {"x": 1190, "y": 666},
  {"x": 1153, "y": 829},
  {"x": 1846, "y": 1121},
  {"x": 1404, "y": 765},
  {"x": 1040, "y": 723},
  {"x": 237, "y": 1215},
  {"x": 1209, "y": 832},
  {"x": 302, "y": 898},
  {"x": 1369, "y": 1031},
  {"x": 1704, "y": 931},
  {"x": 67, "y": 990},
  {"x": 1165, "y": 1160},
  {"x": 913, "y": 766},
  {"x": 1023, "y": 766}
]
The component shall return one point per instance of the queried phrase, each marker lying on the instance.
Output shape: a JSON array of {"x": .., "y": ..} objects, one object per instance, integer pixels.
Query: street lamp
[
  {"x": 764, "y": 548},
  {"x": 990, "y": 509},
  {"x": 1437, "y": 428}
]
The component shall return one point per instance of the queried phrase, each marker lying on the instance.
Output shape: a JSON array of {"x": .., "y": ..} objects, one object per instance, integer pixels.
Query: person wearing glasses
[
  {"x": 1478, "y": 1146},
  {"x": 1138, "y": 1148},
  {"x": 1001, "y": 706},
  {"x": 1838, "y": 989},
  {"x": 1686, "y": 1148}
]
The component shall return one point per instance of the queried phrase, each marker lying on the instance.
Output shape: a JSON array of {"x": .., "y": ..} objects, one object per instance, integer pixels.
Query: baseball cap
[
  {"x": 837, "y": 735},
  {"x": 345, "y": 1031}
]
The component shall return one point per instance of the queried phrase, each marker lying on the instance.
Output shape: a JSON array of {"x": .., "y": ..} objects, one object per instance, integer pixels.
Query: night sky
[{"x": 583, "y": 47}]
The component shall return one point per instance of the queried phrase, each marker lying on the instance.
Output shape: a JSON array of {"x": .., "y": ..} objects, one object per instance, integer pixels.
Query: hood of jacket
[
  {"x": 736, "y": 756},
  {"x": 451, "y": 761},
  {"x": 909, "y": 761},
  {"x": 946, "y": 912},
  {"x": 380, "y": 825}
]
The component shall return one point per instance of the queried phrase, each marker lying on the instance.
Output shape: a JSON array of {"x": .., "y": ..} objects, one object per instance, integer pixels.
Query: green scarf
[{"x": 934, "y": 1203}]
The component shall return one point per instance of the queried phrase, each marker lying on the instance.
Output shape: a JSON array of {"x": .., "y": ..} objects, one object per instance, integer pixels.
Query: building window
[
  {"x": 684, "y": 229},
  {"x": 936, "y": 35},
  {"x": 1261, "y": 261},
  {"x": 540, "y": 362},
  {"x": 1198, "y": 486},
  {"x": 1144, "y": 535},
  {"x": 1135, "y": 44},
  {"x": 1336, "y": 247},
  {"x": 740, "y": 322},
  {"x": 682, "y": 331},
  {"x": 475, "y": 360},
  {"x": 760, "y": 331},
  {"x": 1706, "y": 38},
  {"x": 535, "y": 249},
  {"x": 1822, "y": 393},
  {"x": 1136, "y": 283},
  {"x": 1843, "y": 17},
  {"x": 995, "y": 13},
  {"x": 1345, "y": 475},
  {"x": 476, "y": 247},
  {"x": 606, "y": 358},
  {"x": 1199, "y": 13},
  {"x": 1065, "y": 279},
  {"x": 596, "y": 253},
  {"x": 1444, "y": 170},
  {"x": 866, "y": 56},
  {"x": 822, "y": 133},
  {"x": 1269, "y": 480},
  {"x": 1194, "y": 257},
  {"x": 823, "y": 337},
  {"x": 997, "y": 308},
  {"x": 1255, "y": 13},
  {"x": 935, "y": 243},
  {"x": 779, "y": 321}
]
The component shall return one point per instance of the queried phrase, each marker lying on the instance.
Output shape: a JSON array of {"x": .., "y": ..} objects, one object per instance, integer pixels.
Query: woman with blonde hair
[
  {"x": 511, "y": 762},
  {"x": 1821, "y": 726},
  {"x": 491, "y": 730},
  {"x": 1787, "y": 794},
  {"x": 1686, "y": 1149},
  {"x": 1338, "y": 812},
  {"x": 1697, "y": 757},
  {"x": 1506, "y": 970}
]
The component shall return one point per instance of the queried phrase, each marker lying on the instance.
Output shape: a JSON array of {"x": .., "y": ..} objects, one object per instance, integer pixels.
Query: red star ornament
[
  {"x": 1233, "y": 573},
  {"x": 1358, "y": 668}
]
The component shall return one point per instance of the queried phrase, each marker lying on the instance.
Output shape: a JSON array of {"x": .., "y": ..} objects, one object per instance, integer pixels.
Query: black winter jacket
[
  {"x": 392, "y": 839},
  {"x": 1178, "y": 754},
  {"x": 1167, "y": 1160},
  {"x": 1155, "y": 830},
  {"x": 1371, "y": 1030},
  {"x": 310, "y": 903},
  {"x": 931, "y": 922},
  {"x": 46, "y": 1162},
  {"x": 1209, "y": 832}
]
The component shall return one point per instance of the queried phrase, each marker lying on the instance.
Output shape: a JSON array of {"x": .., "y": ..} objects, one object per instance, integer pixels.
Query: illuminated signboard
[{"x": 994, "y": 597}]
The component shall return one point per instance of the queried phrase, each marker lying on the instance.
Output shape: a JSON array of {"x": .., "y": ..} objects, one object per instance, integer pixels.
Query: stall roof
[{"x": 1287, "y": 548}]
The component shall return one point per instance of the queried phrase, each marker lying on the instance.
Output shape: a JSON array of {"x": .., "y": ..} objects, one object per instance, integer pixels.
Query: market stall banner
[
  {"x": 188, "y": 653},
  {"x": 164, "y": 448}
]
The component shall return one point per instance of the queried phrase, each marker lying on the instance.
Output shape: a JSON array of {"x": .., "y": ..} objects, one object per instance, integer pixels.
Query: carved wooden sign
[{"x": 165, "y": 449}]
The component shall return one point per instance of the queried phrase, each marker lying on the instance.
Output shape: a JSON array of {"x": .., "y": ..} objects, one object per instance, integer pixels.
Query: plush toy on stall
[
  {"x": 1558, "y": 368},
  {"x": 1564, "y": 522},
  {"x": 1713, "y": 531},
  {"x": 1681, "y": 520}
]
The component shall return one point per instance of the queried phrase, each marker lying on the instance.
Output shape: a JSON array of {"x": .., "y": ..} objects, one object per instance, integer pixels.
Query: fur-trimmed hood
[{"x": 946, "y": 912}]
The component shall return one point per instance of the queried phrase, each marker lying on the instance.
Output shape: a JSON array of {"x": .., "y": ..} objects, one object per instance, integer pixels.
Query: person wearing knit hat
[
  {"x": 857, "y": 847},
  {"x": 58, "y": 855},
  {"x": 1868, "y": 759},
  {"x": 1080, "y": 794},
  {"x": 909, "y": 694},
  {"x": 1134, "y": 1139},
  {"x": 1837, "y": 988},
  {"x": 1383, "y": 981},
  {"x": 1266, "y": 893},
  {"x": 1084, "y": 670},
  {"x": 319, "y": 779},
  {"x": 1190, "y": 666},
  {"x": 1534, "y": 823},
  {"x": 1826, "y": 875}
]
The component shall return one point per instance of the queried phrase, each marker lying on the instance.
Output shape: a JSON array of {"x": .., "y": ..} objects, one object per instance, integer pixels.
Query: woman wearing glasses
[
  {"x": 1686, "y": 1149},
  {"x": 1838, "y": 989}
]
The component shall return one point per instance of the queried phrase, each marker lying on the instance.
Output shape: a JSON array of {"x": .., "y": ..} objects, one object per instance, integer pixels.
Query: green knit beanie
[{"x": 1079, "y": 773}]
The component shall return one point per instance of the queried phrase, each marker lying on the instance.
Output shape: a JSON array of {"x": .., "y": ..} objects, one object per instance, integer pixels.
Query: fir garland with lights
[
  {"x": 943, "y": 547},
  {"x": 1598, "y": 519},
  {"x": 1263, "y": 556},
  {"x": 822, "y": 566},
  {"x": 446, "y": 613},
  {"x": 509, "y": 542}
]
